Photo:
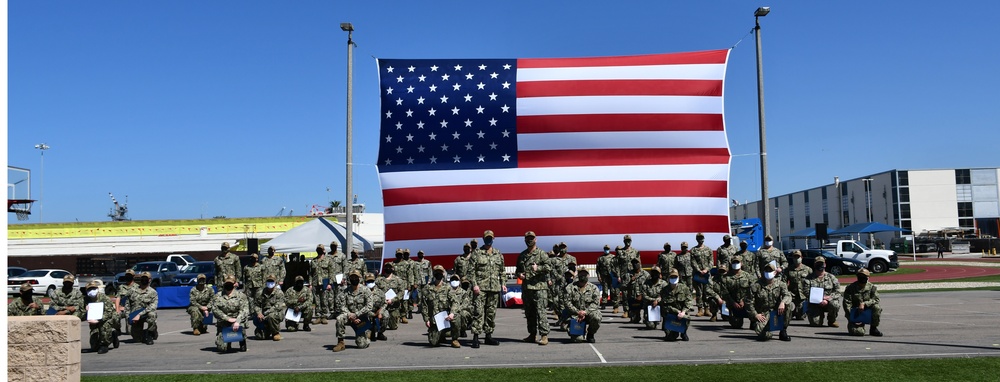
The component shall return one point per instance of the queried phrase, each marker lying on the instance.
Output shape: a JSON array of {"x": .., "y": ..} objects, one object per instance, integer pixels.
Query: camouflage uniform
[
  {"x": 227, "y": 264},
  {"x": 274, "y": 265},
  {"x": 565, "y": 259},
  {"x": 253, "y": 277},
  {"x": 378, "y": 308},
  {"x": 725, "y": 252},
  {"x": 587, "y": 299},
  {"x": 701, "y": 260},
  {"x": 17, "y": 307},
  {"x": 230, "y": 305},
  {"x": 768, "y": 295},
  {"x": 666, "y": 260},
  {"x": 486, "y": 271},
  {"x": 649, "y": 292},
  {"x": 605, "y": 266},
  {"x": 795, "y": 275},
  {"x": 632, "y": 284},
  {"x": 533, "y": 265},
  {"x": 747, "y": 258},
  {"x": 353, "y": 302},
  {"x": 300, "y": 301},
  {"x": 415, "y": 277},
  {"x": 397, "y": 285},
  {"x": 462, "y": 263},
  {"x": 322, "y": 268},
  {"x": 271, "y": 305},
  {"x": 62, "y": 300},
  {"x": 675, "y": 298},
  {"x": 862, "y": 293},
  {"x": 735, "y": 290},
  {"x": 684, "y": 265},
  {"x": 424, "y": 274},
  {"x": 557, "y": 267},
  {"x": 463, "y": 297},
  {"x": 356, "y": 265},
  {"x": 101, "y": 332},
  {"x": 766, "y": 255},
  {"x": 199, "y": 299},
  {"x": 831, "y": 291},
  {"x": 437, "y": 297},
  {"x": 146, "y": 299},
  {"x": 123, "y": 292}
]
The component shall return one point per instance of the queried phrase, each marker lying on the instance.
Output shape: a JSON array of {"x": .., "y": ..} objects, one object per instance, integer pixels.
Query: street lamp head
[
  {"x": 762, "y": 11},
  {"x": 42, "y": 146},
  {"x": 346, "y": 27}
]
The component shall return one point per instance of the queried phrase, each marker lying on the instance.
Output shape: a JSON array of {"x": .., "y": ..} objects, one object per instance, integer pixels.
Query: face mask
[
  {"x": 476, "y": 245},
  {"x": 862, "y": 279},
  {"x": 455, "y": 283},
  {"x": 769, "y": 275},
  {"x": 388, "y": 272},
  {"x": 466, "y": 286},
  {"x": 370, "y": 285},
  {"x": 26, "y": 295},
  {"x": 143, "y": 281},
  {"x": 796, "y": 260},
  {"x": 269, "y": 285},
  {"x": 654, "y": 277},
  {"x": 487, "y": 241},
  {"x": 529, "y": 242},
  {"x": 269, "y": 254},
  {"x": 635, "y": 266},
  {"x": 819, "y": 268},
  {"x": 569, "y": 279},
  {"x": 628, "y": 243},
  {"x": 355, "y": 281},
  {"x": 299, "y": 285},
  {"x": 768, "y": 243},
  {"x": 67, "y": 285},
  {"x": 674, "y": 280},
  {"x": 228, "y": 286},
  {"x": 129, "y": 278},
  {"x": 737, "y": 266},
  {"x": 92, "y": 293},
  {"x": 607, "y": 251},
  {"x": 438, "y": 276}
]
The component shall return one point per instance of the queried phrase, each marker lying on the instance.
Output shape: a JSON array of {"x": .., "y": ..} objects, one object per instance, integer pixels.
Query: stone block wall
[{"x": 43, "y": 348}]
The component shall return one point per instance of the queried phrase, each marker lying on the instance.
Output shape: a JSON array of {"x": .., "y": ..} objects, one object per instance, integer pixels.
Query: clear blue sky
[{"x": 237, "y": 108}]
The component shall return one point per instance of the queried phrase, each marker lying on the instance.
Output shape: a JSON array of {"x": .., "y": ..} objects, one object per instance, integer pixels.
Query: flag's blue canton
[{"x": 447, "y": 115}]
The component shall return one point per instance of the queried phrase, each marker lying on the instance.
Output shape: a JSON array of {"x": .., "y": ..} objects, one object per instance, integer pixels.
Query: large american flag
[{"x": 578, "y": 150}]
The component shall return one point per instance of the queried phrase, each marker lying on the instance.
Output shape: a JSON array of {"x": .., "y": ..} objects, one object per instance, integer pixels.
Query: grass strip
[{"x": 944, "y": 369}]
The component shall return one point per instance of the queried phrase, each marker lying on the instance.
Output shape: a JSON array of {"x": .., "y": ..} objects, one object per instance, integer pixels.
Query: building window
[
  {"x": 904, "y": 194},
  {"x": 963, "y": 176},
  {"x": 966, "y": 223},
  {"x": 791, "y": 223},
  {"x": 965, "y": 210},
  {"x": 906, "y": 224},
  {"x": 826, "y": 216},
  {"x": 904, "y": 178},
  {"x": 904, "y": 211},
  {"x": 808, "y": 221}
]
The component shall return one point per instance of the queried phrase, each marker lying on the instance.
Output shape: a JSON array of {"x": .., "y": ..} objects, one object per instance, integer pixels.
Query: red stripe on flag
[
  {"x": 618, "y": 122},
  {"x": 563, "y": 190},
  {"x": 691, "y": 58},
  {"x": 621, "y": 157},
  {"x": 711, "y": 88},
  {"x": 587, "y": 225}
]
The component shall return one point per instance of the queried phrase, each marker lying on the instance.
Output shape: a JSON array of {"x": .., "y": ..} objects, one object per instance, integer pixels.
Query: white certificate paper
[
  {"x": 439, "y": 319},
  {"x": 290, "y": 315},
  {"x": 406, "y": 295},
  {"x": 339, "y": 278},
  {"x": 815, "y": 295},
  {"x": 390, "y": 294},
  {"x": 653, "y": 313},
  {"x": 95, "y": 311}
]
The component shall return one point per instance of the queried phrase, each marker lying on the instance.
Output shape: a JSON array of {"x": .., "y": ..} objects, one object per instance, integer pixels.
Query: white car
[{"x": 43, "y": 281}]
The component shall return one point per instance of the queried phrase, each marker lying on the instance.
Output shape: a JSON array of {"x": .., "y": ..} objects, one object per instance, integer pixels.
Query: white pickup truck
[
  {"x": 181, "y": 259},
  {"x": 876, "y": 260}
]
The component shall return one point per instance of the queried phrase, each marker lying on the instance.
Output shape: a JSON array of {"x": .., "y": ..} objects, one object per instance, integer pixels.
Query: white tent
[{"x": 305, "y": 237}]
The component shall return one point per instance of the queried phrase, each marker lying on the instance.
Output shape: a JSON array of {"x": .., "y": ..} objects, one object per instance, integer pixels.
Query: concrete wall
[
  {"x": 43, "y": 348},
  {"x": 933, "y": 203}
]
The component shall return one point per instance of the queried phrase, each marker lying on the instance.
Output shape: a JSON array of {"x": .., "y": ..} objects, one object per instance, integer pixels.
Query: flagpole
[
  {"x": 765, "y": 203},
  {"x": 347, "y": 27}
]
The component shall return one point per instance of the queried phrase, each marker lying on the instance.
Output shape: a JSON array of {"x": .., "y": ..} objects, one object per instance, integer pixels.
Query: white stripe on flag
[
  {"x": 622, "y": 139},
  {"x": 648, "y": 244},
  {"x": 642, "y": 72},
  {"x": 618, "y": 105},
  {"x": 555, "y": 208},
  {"x": 408, "y": 179}
]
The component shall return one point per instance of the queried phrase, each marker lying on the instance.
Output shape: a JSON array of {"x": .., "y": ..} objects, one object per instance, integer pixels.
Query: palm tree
[{"x": 334, "y": 205}]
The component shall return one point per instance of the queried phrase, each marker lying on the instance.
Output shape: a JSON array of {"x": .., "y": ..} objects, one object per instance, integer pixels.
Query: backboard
[{"x": 18, "y": 183}]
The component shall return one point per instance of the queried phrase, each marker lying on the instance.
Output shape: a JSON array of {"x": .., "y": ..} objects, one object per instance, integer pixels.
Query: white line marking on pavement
[
  {"x": 599, "y": 355},
  {"x": 932, "y": 322}
]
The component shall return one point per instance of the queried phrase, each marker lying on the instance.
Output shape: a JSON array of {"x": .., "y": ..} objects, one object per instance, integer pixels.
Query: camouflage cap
[
  {"x": 254, "y": 256},
  {"x": 727, "y": 237},
  {"x": 529, "y": 234},
  {"x": 684, "y": 244},
  {"x": 796, "y": 253},
  {"x": 487, "y": 233},
  {"x": 627, "y": 237},
  {"x": 466, "y": 245},
  {"x": 562, "y": 244},
  {"x": 146, "y": 275},
  {"x": 474, "y": 241},
  {"x": 582, "y": 275},
  {"x": 399, "y": 251},
  {"x": 129, "y": 272},
  {"x": 819, "y": 259},
  {"x": 654, "y": 269},
  {"x": 455, "y": 278},
  {"x": 354, "y": 273},
  {"x": 93, "y": 284},
  {"x": 334, "y": 245},
  {"x": 666, "y": 246},
  {"x": 864, "y": 271},
  {"x": 700, "y": 236},
  {"x": 299, "y": 278},
  {"x": 735, "y": 259},
  {"x": 419, "y": 253},
  {"x": 26, "y": 287},
  {"x": 320, "y": 248},
  {"x": 770, "y": 267},
  {"x": 673, "y": 272},
  {"x": 69, "y": 278},
  {"x": 201, "y": 277},
  {"x": 230, "y": 278},
  {"x": 438, "y": 268},
  {"x": 768, "y": 237},
  {"x": 225, "y": 245},
  {"x": 607, "y": 247},
  {"x": 369, "y": 276},
  {"x": 271, "y": 278}
]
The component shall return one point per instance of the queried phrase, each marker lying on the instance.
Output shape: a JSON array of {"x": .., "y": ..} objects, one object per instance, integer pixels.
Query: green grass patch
[
  {"x": 993, "y": 278},
  {"x": 948, "y": 369},
  {"x": 898, "y": 271}
]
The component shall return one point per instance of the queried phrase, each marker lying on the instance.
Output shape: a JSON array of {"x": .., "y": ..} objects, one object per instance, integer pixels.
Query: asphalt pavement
[{"x": 917, "y": 325}]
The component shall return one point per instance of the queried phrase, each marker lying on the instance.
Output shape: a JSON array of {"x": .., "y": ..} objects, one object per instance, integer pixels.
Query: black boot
[
  {"x": 381, "y": 337},
  {"x": 409, "y": 315},
  {"x": 306, "y": 328},
  {"x": 475, "y": 341},
  {"x": 243, "y": 345},
  {"x": 684, "y": 336},
  {"x": 591, "y": 339},
  {"x": 374, "y": 336},
  {"x": 876, "y": 332},
  {"x": 114, "y": 339},
  {"x": 783, "y": 335},
  {"x": 490, "y": 341},
  {"x": 147, "y": 338},
  {"x": 102, "y": 350}
]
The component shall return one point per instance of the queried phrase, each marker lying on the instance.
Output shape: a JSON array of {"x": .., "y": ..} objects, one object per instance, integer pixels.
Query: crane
[{"x": 119, "y": 212}]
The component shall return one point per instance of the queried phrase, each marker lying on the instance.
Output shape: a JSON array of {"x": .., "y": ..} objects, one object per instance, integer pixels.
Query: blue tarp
[
  {"x": 174, "y": 296},
  {"x": 869, "y": 227},
  {"x": 808, "y": 232}
]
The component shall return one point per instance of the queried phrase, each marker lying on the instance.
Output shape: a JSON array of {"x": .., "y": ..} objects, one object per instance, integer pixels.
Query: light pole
[
  {"x": 840, "y": 201},
  {"x": 347, "y": 27},
  {"x": 41, "y": 203},
  {"x": 868, "y": 199},
  {"x": 764, "y": 208}
]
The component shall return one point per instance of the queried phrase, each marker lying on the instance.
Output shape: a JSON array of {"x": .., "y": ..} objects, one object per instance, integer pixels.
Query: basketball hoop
[{"x": 20, "y": 207}]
